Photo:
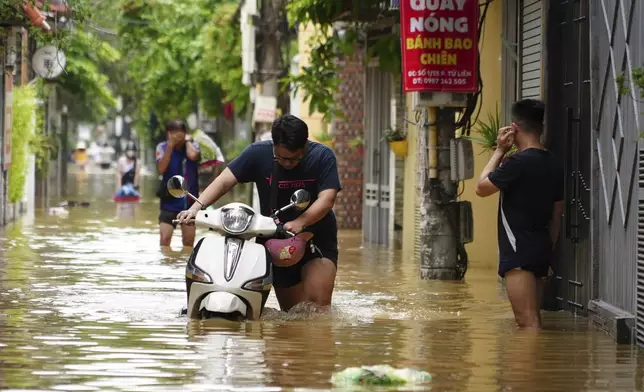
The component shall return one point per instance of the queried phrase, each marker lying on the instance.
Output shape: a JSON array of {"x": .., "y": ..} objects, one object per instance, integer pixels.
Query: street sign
[{"x": 265, "y": 109}]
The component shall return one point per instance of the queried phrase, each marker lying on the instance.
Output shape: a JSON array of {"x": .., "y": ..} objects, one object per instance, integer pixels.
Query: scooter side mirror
[
  {"x": 177, "y": 187},
  {"x": 301, "y": 199}
]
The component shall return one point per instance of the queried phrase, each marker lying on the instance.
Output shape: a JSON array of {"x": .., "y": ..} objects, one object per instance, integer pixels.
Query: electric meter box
[
  {"x": 466, "y": 221},
  {"x": 439, "y": 99},
  {"x": 461, "y": 159}
]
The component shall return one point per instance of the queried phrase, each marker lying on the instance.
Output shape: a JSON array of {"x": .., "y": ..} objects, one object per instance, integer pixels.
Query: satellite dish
[{"x": 49, "y": 62}]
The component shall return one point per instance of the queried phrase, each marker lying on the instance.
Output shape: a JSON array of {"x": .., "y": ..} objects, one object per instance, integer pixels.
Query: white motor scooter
[{"x": 227, "y": 275}]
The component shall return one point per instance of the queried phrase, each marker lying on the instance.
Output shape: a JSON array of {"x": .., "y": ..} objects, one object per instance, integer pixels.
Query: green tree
[
  {"x": 84, "y": 87},
  {"x": 24, "y": 121},
  {"x": 319, "y": 80},
  {"x": 180, "y": 54}
]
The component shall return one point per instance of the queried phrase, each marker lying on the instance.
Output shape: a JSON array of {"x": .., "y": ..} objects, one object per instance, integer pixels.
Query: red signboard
[{"x": 439, "y": 45}]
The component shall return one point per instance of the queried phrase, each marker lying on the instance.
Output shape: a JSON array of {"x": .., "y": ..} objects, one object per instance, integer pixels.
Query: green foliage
[
  {"x": 319, "y": 80},
  {"x": 324, "y": 135},
  {"x": 83, "y": 86},
  {"x": 12, "y": 10},
  {"x": 234, "y": 148},
  {"x": 24, "y": 121},
  {"x": 489, "y": 131},
  {"x": 181, "y": 53},
  {"x": 395, "y": 134},
  {"x": 638, "y": 81},
  {"x": 356, "y": 142},
  {"x": 325, "y": 12},
  {"x": 45, "y": 147},
  {"x": 221, "y": 64}
]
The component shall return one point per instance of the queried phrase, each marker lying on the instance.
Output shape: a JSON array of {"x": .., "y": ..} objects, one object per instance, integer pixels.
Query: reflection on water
[{"x": 90, "y": 302}]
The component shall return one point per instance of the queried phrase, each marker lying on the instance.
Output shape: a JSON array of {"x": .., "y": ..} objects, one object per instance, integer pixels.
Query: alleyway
[{"x": 90, "y": 300}]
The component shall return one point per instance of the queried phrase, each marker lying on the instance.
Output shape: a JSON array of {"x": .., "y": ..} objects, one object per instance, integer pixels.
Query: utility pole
[
  {"x": 269, "y": 35},
  {"x": 271, "y": 15},
  {"x": 64, "y": 153},
  {"x": 442, "y": 255}
]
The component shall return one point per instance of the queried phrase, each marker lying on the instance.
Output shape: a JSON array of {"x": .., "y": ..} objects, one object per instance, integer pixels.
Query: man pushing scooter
[{"x": 279, "y": 167}]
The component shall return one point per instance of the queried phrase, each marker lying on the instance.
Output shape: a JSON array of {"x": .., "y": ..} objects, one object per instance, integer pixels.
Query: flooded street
[{"x": 90, "y": 302}]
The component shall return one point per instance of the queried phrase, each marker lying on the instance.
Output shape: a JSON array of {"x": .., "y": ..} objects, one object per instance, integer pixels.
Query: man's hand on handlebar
[
  {"x": 186, "y": 217},
  {"x": 294, "y": 227}
]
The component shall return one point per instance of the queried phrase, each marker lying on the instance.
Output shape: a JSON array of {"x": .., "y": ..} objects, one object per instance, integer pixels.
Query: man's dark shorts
[
  {"x": 540, "y": 270},
  {"x": 284, "y": 277},
  {"x": 166, "y": 216}
]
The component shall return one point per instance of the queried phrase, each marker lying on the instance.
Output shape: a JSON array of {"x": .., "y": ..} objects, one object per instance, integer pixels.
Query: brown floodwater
[{"x": 90, "y": 302}]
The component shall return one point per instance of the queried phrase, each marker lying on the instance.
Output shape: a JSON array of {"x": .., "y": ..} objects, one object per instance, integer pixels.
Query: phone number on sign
[{"x": 448, "y": 81}]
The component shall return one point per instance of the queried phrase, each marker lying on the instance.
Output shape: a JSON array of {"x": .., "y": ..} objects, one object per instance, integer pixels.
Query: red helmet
[{"x": 287, "y": 252}]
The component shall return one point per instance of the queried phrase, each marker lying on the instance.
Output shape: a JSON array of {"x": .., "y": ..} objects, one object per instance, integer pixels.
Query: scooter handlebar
[
  {"x": 178, "y": 222},
  {"x": 280, "y": 228},
  {"x": 282, "y": 232}
]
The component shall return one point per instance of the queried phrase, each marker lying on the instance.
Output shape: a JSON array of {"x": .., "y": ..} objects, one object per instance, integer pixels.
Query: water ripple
[{"x": 91, "y": 303}]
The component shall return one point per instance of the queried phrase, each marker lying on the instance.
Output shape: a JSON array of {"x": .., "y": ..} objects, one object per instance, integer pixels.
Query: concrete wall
[
  {"x": 484, "y": 251},
  {"x": 11, "y": 212}
]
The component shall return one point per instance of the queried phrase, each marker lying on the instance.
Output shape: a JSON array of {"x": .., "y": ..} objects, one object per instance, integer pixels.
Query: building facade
[
  {"x": 15, "y": 72},
  {"x": 581, "y": 58},
  {"x": 597, "y": 111}
]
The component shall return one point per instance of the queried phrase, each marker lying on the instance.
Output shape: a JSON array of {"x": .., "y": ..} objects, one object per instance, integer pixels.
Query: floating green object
[{"x": 383, "y": 375}]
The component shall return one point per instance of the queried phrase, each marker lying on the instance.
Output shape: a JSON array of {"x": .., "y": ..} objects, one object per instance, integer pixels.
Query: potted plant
[
  {"x": 397, "y": 142},
  {"x": 489, "y": 131},
  {"x": 357, "y": 144}
]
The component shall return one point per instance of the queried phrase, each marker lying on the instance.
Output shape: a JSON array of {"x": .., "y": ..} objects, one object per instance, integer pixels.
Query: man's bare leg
[
  {"x": 166, "y": 231},
  {"x": 522, "y": 291},
  {"x": 541, "y": 287},
  {"x": 318, "y": 281},
  {"x": 188, "y": 233}
]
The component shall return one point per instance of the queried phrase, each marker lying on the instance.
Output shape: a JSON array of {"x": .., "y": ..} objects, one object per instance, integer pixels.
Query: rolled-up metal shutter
[{"x": 530, "y": 48}]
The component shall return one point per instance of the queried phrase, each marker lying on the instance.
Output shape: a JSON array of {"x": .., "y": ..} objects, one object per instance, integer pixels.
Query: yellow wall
[
  {"x": 483, "y": 251},
  {"x": 314, "y": 120},
  {"x": 410, "y": 193}
]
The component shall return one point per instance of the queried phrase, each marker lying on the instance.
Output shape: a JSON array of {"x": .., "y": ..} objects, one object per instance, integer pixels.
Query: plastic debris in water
[{"x": 384, "y": 375}]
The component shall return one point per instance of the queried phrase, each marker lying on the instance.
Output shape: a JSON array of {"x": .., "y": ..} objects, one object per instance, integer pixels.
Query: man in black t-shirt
[
  {"x": 530, "y": 208},
  {"x": 299, "y": 164}
]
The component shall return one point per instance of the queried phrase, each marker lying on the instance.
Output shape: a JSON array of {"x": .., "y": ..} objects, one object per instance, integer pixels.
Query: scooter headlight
[{"x": 236, "y": 220}]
